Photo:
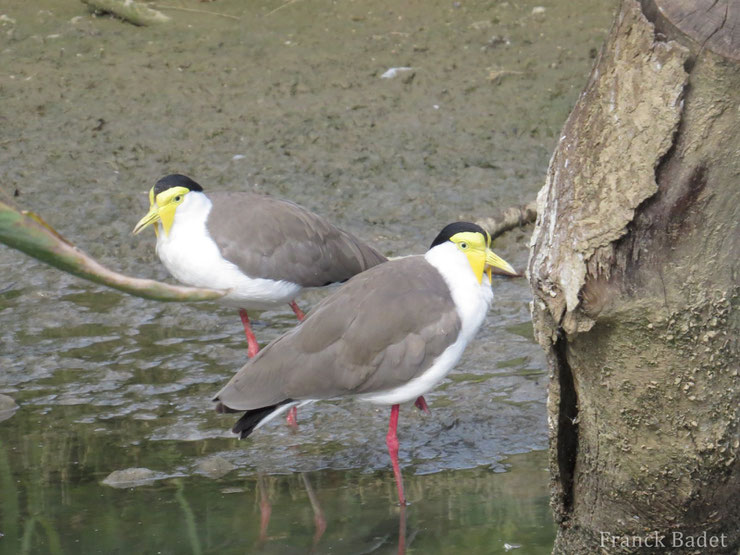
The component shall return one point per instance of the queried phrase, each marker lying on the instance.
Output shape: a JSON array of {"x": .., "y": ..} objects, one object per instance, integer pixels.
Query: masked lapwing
[
  {"x": 387, "y": 336},
  {"x": 264, "y": 250}
]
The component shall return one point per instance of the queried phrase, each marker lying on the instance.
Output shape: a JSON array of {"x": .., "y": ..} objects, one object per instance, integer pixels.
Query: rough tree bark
[{"x": 634, "y": 269}]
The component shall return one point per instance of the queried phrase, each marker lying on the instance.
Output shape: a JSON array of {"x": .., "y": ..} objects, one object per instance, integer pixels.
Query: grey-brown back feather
[
  {"x": 383, "y": 328},
  {"x": 277, "y": 239}
]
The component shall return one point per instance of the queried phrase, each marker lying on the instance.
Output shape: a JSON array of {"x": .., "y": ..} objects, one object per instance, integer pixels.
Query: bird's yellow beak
[
  {"x": 480, "y": 256},
  {"x": 151, "y": 216},
  {"x": 495, "y": 261},
  {"x": 162, "y": 208}
]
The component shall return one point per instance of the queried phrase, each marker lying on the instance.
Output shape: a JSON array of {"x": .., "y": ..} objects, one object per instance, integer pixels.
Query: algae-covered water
[{"x": 286, "y": 99}]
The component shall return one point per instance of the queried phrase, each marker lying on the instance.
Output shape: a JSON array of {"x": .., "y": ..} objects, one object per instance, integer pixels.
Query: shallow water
[
  {"x": 93, "y": 111},
  {"x": 477, "y": 510}
]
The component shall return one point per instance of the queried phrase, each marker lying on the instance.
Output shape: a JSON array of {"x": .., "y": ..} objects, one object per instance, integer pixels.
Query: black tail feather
[{"x": 251, "y": 419}]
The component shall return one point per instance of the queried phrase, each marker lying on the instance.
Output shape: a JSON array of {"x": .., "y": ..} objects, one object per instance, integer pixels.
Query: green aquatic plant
[{"x": 189, "y": 517}]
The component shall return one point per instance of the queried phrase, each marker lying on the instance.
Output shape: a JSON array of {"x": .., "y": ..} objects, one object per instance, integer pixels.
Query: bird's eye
[
  {"x": 178, "y": 198},
  {"x": 463, "y": 245}
]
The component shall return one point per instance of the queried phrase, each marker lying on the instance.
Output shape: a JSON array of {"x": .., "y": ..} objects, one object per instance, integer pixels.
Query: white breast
[
  {"x": 193, "y": 257},
  {"x": 472, "y": 301}
]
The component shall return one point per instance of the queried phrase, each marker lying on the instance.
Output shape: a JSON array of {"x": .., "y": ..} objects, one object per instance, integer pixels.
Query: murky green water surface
[{"x": 289, "y": 102}]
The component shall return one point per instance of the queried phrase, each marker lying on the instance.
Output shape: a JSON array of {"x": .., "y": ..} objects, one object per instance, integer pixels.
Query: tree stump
[{"x": 634, "y": 269}]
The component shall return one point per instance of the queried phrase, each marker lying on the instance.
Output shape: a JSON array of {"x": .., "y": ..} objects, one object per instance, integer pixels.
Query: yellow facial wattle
[
  {"x": 162, "y": 208},
  {"x": 480, "y": 257},
  {"x": 473, "y": 245}
]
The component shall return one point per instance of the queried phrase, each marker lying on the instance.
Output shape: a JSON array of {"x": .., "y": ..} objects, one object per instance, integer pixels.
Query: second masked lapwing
[
  {"x": 264, "y": 250},
  {"x": 387, "y": 336}
]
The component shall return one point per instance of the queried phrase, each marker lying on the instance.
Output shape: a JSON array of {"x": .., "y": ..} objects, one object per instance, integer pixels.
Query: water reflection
[
  {"x": 318, "y": 514},
  {"x": 53, "y": 501}
]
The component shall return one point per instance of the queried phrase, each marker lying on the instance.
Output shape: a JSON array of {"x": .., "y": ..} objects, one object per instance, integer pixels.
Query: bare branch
[
  {"x": 512, "y": 217},
  {"x": 28, "y": 233}
]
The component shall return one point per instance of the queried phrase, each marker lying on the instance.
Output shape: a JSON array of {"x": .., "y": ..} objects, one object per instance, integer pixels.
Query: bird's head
[
  {"x": 475, "y": 243},
  {"x": 164, "y": 198}
]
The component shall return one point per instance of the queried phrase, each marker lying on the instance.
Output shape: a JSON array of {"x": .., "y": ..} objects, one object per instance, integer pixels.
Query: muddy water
[{"x": 292, "y": 103}]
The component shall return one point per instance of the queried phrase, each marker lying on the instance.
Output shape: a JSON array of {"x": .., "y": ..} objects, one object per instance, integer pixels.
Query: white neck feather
[
  {"x": 192, "y": 257},
  {"x": 471, "y": 298}
]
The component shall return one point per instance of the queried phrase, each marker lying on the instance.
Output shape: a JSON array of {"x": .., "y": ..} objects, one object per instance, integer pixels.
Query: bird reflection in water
[
  {"x": 266, "y": 511},
  {"x": 380, "y": 536},
  {"x": 402, "y": 529}
]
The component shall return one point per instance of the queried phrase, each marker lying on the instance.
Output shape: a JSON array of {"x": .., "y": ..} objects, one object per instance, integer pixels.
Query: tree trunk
[{"x": 634, "y": 269}]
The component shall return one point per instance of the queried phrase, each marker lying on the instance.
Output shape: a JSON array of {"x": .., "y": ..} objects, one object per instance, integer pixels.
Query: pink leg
[
  {"x": 318, "y": 514},
  {"x": 421, "y": 404},
  {"x": 402, "y": 531},
  {"x": 298, "y": 312},
  {"x": 320, "y": 524},
  {"x": 252, "y": 345},
  {"x": 265, "y": 509},
  {"x": 292, "y": 417},
  {"x": 391, "y": 440}
]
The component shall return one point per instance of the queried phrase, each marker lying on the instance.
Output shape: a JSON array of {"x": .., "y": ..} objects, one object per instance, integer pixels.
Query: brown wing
[
  {"x": 380, "y": 330},
  {"x": 277, "y": 239}
]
